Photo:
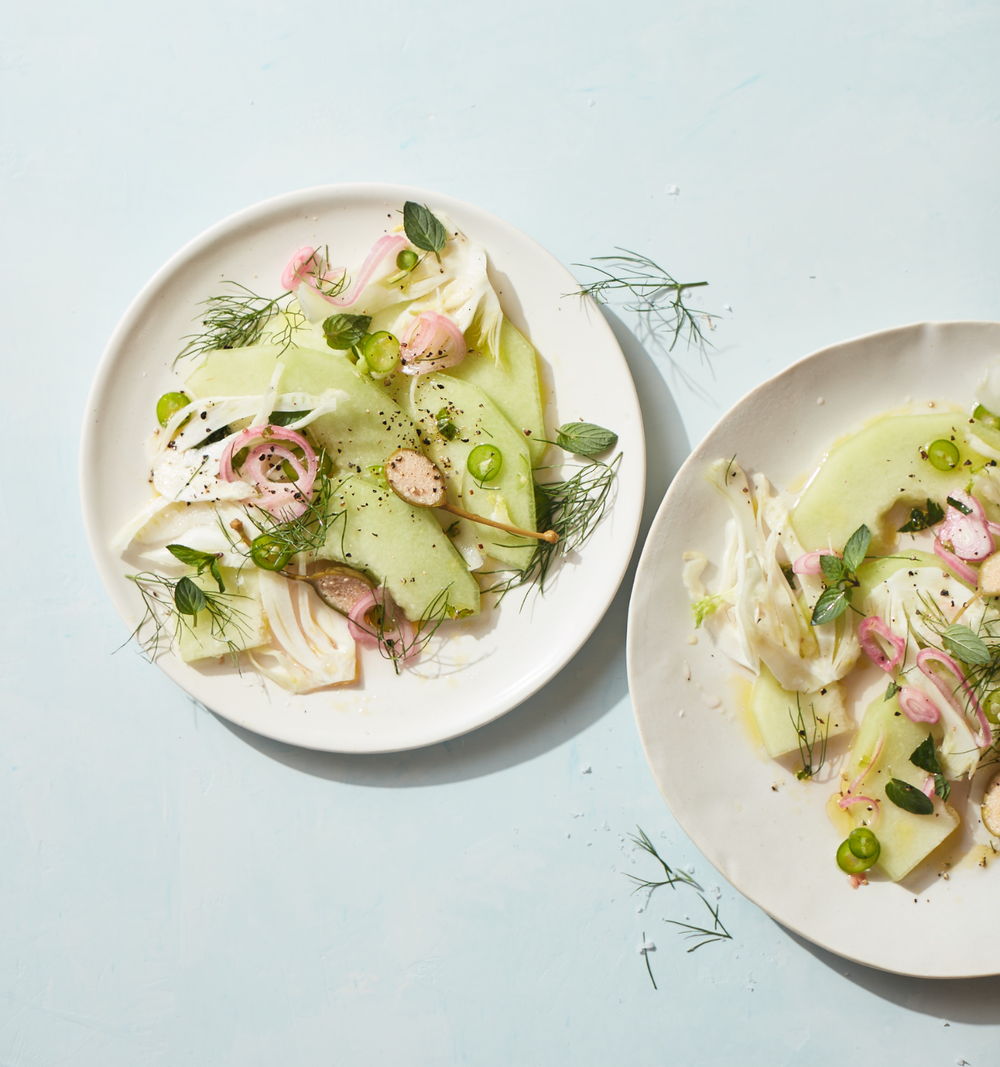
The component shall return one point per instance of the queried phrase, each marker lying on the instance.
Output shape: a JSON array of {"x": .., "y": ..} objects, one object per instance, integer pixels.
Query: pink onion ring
[
  {"x": 400, "y": 628},
  {"x": 846, "y": 801},
  {"x": 928, "y": 787},
  {"x": 294, "y": 273},
  {"x": 931, "y": 655},
  {"x": 391, "y": 243},
  {"x": 281, "y": 499},
  {"x": 872, "y": 648},
  {"x": 955, "y": 565},
  {"x": 810, "y": 562},
  {"x": 969, "y": 535},
  {"x": 916, "y": 705},
  {"x": 431, "y": 342}
]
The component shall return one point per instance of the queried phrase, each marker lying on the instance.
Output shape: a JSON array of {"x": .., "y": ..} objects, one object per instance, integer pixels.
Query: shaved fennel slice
[
  {"x": 771, "y": 620},
  {"x": 204, "y": 527},
  {"x": 311, "y": 645}
]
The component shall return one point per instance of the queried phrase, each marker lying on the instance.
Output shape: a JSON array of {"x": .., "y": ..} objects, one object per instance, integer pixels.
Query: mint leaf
[
  {"x": 923, "y": 520},
  {"x": 831, "y": 605},
  {"x": 833, "y": 568},
  {"x": 189, "y": 598},
  {"x": 964, "y": 644},
  {"x": 924, "y": 756},
  {"x": 344, "y": 331},
  {"x": 942, "y": 786},
  {"x": 194, "y": 557},
  {"x": 908, "y": 797},
  {"x": 423, "y": 228},
  {"x": 856, "y": 548},
  {"x": 891, "y": 691},
  {"x": 585, "y": 439}
]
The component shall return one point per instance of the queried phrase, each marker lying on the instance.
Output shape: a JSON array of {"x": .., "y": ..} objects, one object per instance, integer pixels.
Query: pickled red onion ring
[
  {"x": 846, "y": 801},
  {"x": 431, "y": 342},
  {"x": 931, "y": 655},
  {"x": 955, "y": 565},
  {"x": 294, "y": 275},
  {"x": 401, "y": 628},
  {"x": 859, "y": 799},
  {"x": 390, "y": 243},
  {"x": 928, "y": 787},
  {"x": 285, "y": 499},
  {"x": 969, "y": 535},
  {"x": 872, "y": 648},
  {"x": 916, "y": 705},
  {"x": 810, "y": 563}
]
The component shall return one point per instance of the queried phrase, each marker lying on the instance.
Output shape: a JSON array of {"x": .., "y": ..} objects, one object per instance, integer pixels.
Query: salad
[
  {"x": 353, "y": 463},
  {"x": 864, "y": 615}
]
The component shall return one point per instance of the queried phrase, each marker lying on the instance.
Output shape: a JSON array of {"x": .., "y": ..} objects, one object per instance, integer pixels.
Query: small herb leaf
[
  {"x": 966, "y": 645},
  {"x": 831, "y": 605},
  {"x": 189, "y": 598},
  {"x": 924, "y": 756},
  {"x": 344, "y": 331},
  {"x": 891, "y": 691},
  {"x": 203, "y": 561},
  {"x": 908, "y": 797},
  {"x": 959, "y": 506},
  {"x": 923, "y": 520},
  {"x": 856, "y": 548},
  {"x": 942, "y": 786},
  {"x": 423, "y": 228},
  {"x": 833, "y": 567},
  {"x": 585, "y": 439}
]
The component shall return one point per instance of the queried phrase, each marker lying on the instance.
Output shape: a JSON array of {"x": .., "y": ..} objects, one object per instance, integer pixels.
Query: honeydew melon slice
[
  {"x": 775, "y": 711},
  {"x": 867, "y": 475},
  {"x": 905, "y": 838}
]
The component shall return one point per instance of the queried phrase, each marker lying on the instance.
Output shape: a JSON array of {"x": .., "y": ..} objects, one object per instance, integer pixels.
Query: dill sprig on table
[
  {"x": 701, "y": 935},
  {"x": 657, "y": 298}
]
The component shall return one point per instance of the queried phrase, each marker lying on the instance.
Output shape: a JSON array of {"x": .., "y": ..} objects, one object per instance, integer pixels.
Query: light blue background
[{"x": 175, "y": 891}]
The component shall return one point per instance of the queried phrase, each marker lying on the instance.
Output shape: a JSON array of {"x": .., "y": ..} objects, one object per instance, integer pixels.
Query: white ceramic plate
[
  {"x": 486, "y": 666},
  {"x": 766, "y": 832}
]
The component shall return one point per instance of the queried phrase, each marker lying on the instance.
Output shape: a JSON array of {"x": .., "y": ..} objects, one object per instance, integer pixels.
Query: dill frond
[
  {"x": 228, "y": 623},
  {"x": 573, "y": 508},
  {"x": 233, "y": 320},
  {"x": 700, "y": 934},
  {"x": 656, "y": 297},
  {"x": 807, "y": 744},
  {"x": 384, "y": 629}
]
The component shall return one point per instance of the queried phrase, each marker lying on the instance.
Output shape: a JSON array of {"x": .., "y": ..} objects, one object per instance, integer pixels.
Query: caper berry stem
[{"x": 548, "y": 535}]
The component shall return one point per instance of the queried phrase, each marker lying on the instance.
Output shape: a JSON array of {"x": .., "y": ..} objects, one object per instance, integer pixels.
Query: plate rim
[{"x": 534, "y": 678}]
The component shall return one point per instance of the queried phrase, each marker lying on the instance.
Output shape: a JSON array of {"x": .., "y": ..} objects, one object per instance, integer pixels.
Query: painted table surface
[{"x": 173, "y": 890}]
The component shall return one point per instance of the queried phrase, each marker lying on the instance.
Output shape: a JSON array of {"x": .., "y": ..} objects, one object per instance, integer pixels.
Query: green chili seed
[
  {"x": 269, "y": 553},
  {"x": 943, "y": 455},
  {"x": 863, "y": 844},
  {"x": 848, "y": 862},
  {"x": 381, "y": 352},
  {"x": 169, "y": 404},
  {"x": 484, "y": 462}
]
